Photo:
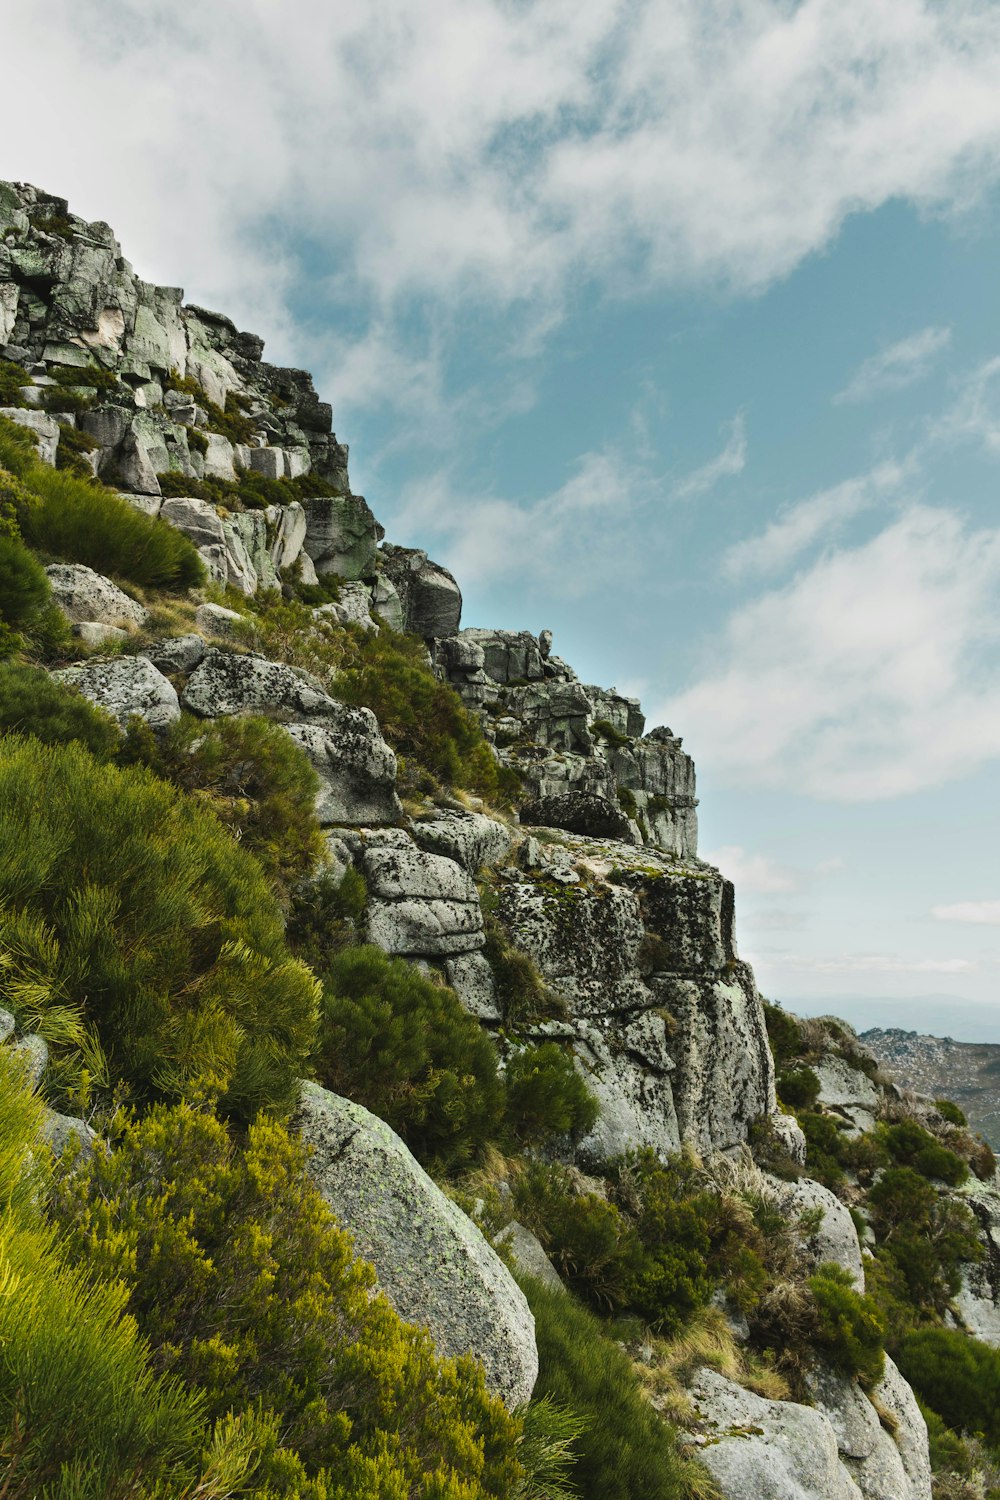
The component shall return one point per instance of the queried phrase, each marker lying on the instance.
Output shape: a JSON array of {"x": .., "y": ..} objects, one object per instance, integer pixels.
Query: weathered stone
[
  {"x": 507, "y": 656},
  {"x": 767, "y": 1450},
  {"x": 8, "y": 1026},
  {"x": 352, "y": 607},
  {"x": 341, "y": 535},
  {"x": 82, "y": 594},
  {"x": 581, "y": 812},
  {"x": 896, "y": 1397},
  {"x": 32, "y": 1056},
  {"x": 227, "y": 682},
  {"x": 387, "y": 603},
  {"x": 471, "y": 839},
  {"x": 43, "y": 428},
  {"x": 198, "y": 520},
  {"x": 847, "y": 1091},
  {"x": 398, "y": 873},
  {"x": 217, "y": 620},
  {"x": 355, "y": 766},
  {"x": 430, "y": 1259},
  {"x": 471, "y": 977},
  {"x": 529, "y": 1257},
  {"x": 59, "y": 1131},
  {"x": 219, "y": 459},
  {"x": 427, "y": 928},
  {"x": 431, "y": 600},
  {"x": 836, "y": 1239},
  {"x": 790, "y": 1136},
  {"x": 179, "y": 653},
  {"x": 289, "y": 536},
  {"x": 866, "y": 1449},
  {"x": 635, "y": 1102},
  {"x": 123, "y": 686}
]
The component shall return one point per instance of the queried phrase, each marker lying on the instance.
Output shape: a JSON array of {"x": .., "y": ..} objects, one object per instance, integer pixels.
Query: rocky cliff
[{"x": 592, "y": 878}]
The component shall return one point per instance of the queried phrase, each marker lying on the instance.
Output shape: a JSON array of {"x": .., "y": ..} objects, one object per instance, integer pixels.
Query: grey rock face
[
  {"x": 585, "y": 942},
  {"x": 529, "y": 1257},
  {"x": 123, "y": 686},
  {"x": 431, "y": 600},
  {"x": 768, "y": 1450},
  {"x": 431, "y": 1261},
  {"x": 896, "y": 1396},
  {"x": 44, "y": 429},
  {"x": 421, "y": 905},
  {"x": 470, "y": 839},
  {"x": 178, "y": 653},
  {"x": 355, "y": 766},
  {"x": 227, "y": 682},
  {"x": 59, "y": 1131},
  {"x": 82, "y": 594},
  {"x": 836, "y": 1238},
  {"x": 581, "y": 812},
  {"x": 32, "y": 1055},
  {"x": 635, "y": 1101},
  {"x": 94, "y": 635},
  {"x": 215, "y": 619},
  {"x": 848, "y": 1091},
  {"x": 471, "y": 977},
  {"x": 978, "y": 1300},
  {"x": 341, "y": 536},
  {"x": 867, "y": 1451}
]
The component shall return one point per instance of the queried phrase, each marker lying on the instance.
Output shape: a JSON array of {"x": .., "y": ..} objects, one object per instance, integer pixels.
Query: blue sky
[{"x": 672, "y": 326}]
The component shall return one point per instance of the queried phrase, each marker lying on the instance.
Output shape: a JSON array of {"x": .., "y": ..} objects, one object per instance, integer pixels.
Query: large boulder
[
  {"x": 767, "y": 1450},
  {"x": 84, "y": 595},
  {"x": 421, "y": 905},
  {"x": 469, "y": 838},
  {"x": 847, "y": 1091},
  {"x": 835, "y": 1238},
  {"x": 430, "y": 1259},
  {"x": 341, "y": 535},
  {"x": 123, "y": 686},
  {"x": 227, "y": 682},
  {"x": 355, "y": 766},
  {"x": 867, "y": 1451},
  {"x": 581, "y": 812},
  {"x": 431, "y": 600}
]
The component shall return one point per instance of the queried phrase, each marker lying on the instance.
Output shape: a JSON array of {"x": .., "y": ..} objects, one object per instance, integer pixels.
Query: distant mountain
[
  {"x": 934, "y": 1014},
  {"x": 968, "y": 1072}
]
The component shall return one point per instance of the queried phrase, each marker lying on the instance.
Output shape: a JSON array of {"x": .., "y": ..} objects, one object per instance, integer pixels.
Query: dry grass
[{"x": 707, "y": 1340}]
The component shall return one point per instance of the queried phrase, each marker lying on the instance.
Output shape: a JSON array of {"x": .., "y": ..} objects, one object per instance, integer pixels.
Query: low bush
[
  {"x": 798, "y": 1088},
  {"x": 74, "y": 445},
  {"x": 255, "y": 779},
  {"x": 850, "y": 1333},
  {"x": 926, "y": 1237},
  {"x": 325, "y": 916},
  {"x": 82, "y": 521},
  {"x": 13, "y": 379},
  {"x": 24, "y": 591},
  {"x": 125, "y": 905},
  {"x": 910, "y": 1145},
  {"x": 403, "y": 1047},
  {"x": 33, "y": 703},
  {"x": 624, "y": 1451},
  {"x": 244, "y": 1286},
  {"x": 957, "y": 1376},
  {"x": 824, "y": 1148},
  {"x": 592, "y": 1244},
  {"x": 949, "y": 1110},
  {"x": 546, "y": 1095},
  {"x": 783, "y": 1033}
]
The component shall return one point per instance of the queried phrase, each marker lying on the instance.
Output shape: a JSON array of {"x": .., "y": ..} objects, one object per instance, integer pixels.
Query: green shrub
[
  {"x": 783, "y": 1033},
  {"x": 824, "y": 1148},
  {"x": 24, "y": 590},
  {"x": 253, "y": 776},
  {"x": 32, "y": 702},
  {"x": 606, "y": 731},
  {"x": 125, "y": 905},
  {"x": 245, "y": 1287},
  {"x": 927, "y": 1237},
  {"x": 546, "y": 1095},
  {"x": 910, "y": 1145},
  {"x": 798, "y": 1088},
  {"x": 81, "y": 521},
  {"x": 957, "y": 1376},
  {"x": 73, "y": 445},
  {"x": 590, "y": 1241},
  {"x": 13, "y": 379},
  {"x": 850, "y": 1332},
  {"x": 625, "y": 1451},
  {"x": 950, "y": 1111},
  {"x": 404, "y": 1048},
  {"x": 325, "y": 916}
]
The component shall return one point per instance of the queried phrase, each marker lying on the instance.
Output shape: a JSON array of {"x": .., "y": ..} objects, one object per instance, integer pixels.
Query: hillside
[
  {"x": 968, "y": 1072},
  {"x": 321, "y": 911}
]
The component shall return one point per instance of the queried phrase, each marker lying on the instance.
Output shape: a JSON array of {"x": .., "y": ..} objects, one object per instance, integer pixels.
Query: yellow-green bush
[
  {"x": 32, "y": 702},
  {"x": 24, "y": 591},
  {"x": 849, "y": 1331},
  {"x": 244, "y": 1286},
  {"x": 404, "y": 1048},
  {"x": 125, "y": 905},
  {"x": 82, "y": 521}
]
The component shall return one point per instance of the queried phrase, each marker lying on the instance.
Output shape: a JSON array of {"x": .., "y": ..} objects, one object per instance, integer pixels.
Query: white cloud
[
  {"x": 986, "y": 913},
  {"x": 975, "y": 414},
  {"x": 822, "y": 515},
  {"x": 900, "y": 365},
  {"x": 725, "y": 465},
  {"x": 752, "y": 874},
  {"x": 871, "y": 674},
  {"x": 476, "y": 152},
  {"x": 868, "y": 963}
]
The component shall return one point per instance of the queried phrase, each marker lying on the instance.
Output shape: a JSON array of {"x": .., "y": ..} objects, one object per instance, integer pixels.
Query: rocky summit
[{"x": 498, "y": 845}]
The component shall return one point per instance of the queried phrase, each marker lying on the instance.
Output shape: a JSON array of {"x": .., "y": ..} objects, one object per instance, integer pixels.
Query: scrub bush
[
  {"x": 546, "y": 1095},
  {"x": 950, "y": 1111},
  {"x": 403, "y": 1047},
  {"x": 83, "y": 522},
  {"x": 244, "y": 1286},
  {"x": 912, "y": 1146},
  {"x": 798, "y": 1088},
  {"x": 125, "y": 905},
  {"x": 24, "y": 591},
  {"x": 325, "y": 916},
  {"x": 32, "y": 702},
  {"x": 957, "y": 1376},
  {"x": 783, "y": 1033},
  {"x": 926, "y": 1237},
  {"x": 849, "y": 1330},
  {"x": 13, "y": 379},
  {"x": 625, "y": 1451}
]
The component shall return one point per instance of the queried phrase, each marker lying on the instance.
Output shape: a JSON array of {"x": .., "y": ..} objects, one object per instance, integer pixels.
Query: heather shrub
[
  {"x": 912, "y": 1146},
  {"x": 849, "y": 1331},
  {"x": 592, "y": 1244},
  {"x": 24, "y": 591},
  {"x": 824, "y": 1148},
  {"x": 798, "y": 1088},
  {"x": 82, "y": 521},
  {"x": 13, "y": 379},
  {"x": 403, "y": 1047},
  {"x": 625, "y": 1451},
  {"x": 783, "y": 1033},
  {"x": 254, "y": 778},
  {"x": 925, "y": 1236},
  {"x": 325, "y": 916},
  {"x": 950, "y": 1111},
  {"x": 546, "y": 1095},
  {"x": 126, "y": 906},
  {"x": 239, "y": 1278},
  {"x": 32, "y": 702},
  {"x": 957, "y": 1376}
]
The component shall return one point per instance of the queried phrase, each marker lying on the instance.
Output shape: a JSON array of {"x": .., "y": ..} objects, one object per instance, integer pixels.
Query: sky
[{"x": 670, "y": 325}]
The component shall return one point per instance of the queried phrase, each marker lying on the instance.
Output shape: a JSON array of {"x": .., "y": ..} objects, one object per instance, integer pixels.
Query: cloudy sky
[{"x": 671, "y": 325}]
